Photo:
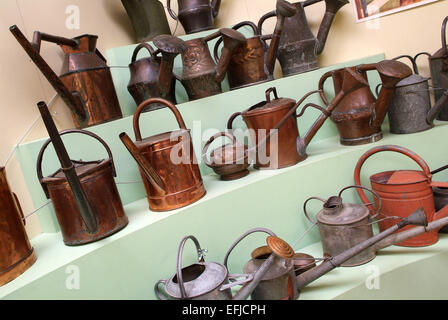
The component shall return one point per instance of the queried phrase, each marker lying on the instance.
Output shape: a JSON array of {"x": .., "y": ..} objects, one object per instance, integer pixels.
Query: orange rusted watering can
[{"x": 402, "y": 192}]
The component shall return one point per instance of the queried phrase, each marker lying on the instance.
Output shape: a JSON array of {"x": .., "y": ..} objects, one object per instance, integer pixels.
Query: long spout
[
  {"x": 143, "y": 163},
  {"x": 69, "y": 170},
  {"x": 416, "y": 218},
  {"x": 435, "y": 110},
  {"x": 331, "y": 8},
  {"x": 231, "y": 39}
]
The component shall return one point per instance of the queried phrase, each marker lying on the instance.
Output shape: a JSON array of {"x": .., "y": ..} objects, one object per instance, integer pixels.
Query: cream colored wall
[{"x": 22, "y": 84}]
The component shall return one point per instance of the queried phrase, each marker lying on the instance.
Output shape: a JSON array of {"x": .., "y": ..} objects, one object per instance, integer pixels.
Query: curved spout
[
  {"x": 215, "y": 7},
  {"x": 143, "y": 163},
  {"x": 435, "y": 110},
  {"x": 231, "y": 39},
  {"x": 331, "y": 8},
  {"x": 417, "y": 218}
]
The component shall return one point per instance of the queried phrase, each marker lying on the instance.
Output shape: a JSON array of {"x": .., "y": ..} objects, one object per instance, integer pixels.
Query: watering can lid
[
  {"x": 271, "y": 106},
  {"x": 212, "y": 277},
  {"x": 398, "y": 177},
  {"x": 412, "y": 79},
  {"x": 82, "y": 169},
  {"x": 348, "y": 213}
]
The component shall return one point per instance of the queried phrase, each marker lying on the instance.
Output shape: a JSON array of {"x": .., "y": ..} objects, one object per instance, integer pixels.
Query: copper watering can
[
  {"x": 210, "y": 280},
  {"x": 167, "y": 163},
  {"x": 298, "y": 48},
  {"x": 16, "y": 252},
  {"x": 84, "y": 194},
  {"x": 201, "y": 77},
  {"x": 148, "y": 18},
  {"x": 402, "y": 192},
  {"x": 253, "y": 62},
  {"x": 195, "y": 15},
  {"x": 344, "y": 225},
  {"x": 85, "y": 83},
  {"x": 152, "y": 77},
  {"x": 359, "y": 116},
  {"x": 409, "y": 109}
]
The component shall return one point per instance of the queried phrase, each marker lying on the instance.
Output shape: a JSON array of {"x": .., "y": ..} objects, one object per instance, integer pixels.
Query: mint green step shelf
[{"x": 127, "y": 264}]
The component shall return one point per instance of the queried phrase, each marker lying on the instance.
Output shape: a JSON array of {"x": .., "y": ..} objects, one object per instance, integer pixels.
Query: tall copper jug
[
  {"x": 195, "y": 15},
  {"x": 16, "y": 253}
]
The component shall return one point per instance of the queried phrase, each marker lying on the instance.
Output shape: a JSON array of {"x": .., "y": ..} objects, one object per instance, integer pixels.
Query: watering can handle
[
  {"x": 179, "y": 262},
  {"x": 145, "y": 45},
  {"x": 306, "y": 212},
  {"x": 147, "y": 102},
  {"x": 45, "y": 145},
  {"x": 413, "y": 62},
  {"x": 232, "y": 117},
  {"x": 444, "y": 35},
  {"x": 170, "y": 11},
  {"x": 322, "y": 80},
  {"x": 226, "y": 258},
  {"x": 208, "y": 143},
  {"x": 394, "y": 148},
  {"x": 235, "y": 27},
  {"x": 263, "y": 18},
  {"x": 157, "y": 291},
  {"x": 19, "y": 207},
  {"x": 378, "y": 209}
]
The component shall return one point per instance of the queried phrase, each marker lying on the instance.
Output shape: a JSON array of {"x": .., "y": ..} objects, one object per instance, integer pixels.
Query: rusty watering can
[
  {"x": 85, "y": 83},
  {"x": 417, "y": 218},
  {"x": 277, "y": 283},
  {"x": 84, "y": 194},
  {"x": 344, "y": 225},
  {"x": 195, "y": 15},
  {"x": 201, "y": 77},
  {"x": 210, "y": 280},
  {"x": 359, "y": 116},
  {"x": 253, "y": 62},
  {"x": 230, "y": 161},
  {"x": 16, "y": 252},
  {"x": 410, "y": 109},
  {"x": 148, "y": 18},
  {"x": 402, "y": 192},
  {"x": 438, "y": 63},
  {"x": 152, "y": 77},
  {"x": 298, "y": 48},
  {"x": 167, "y": 163}
]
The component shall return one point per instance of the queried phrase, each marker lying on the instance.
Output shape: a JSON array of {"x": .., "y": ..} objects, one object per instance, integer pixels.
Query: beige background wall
[{"x": 22, "y": 84}]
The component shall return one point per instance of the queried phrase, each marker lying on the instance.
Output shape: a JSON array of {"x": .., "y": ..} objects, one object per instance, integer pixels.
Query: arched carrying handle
[
  {"x": 235, "y": 27},
  {"x": 443, "y": 34},
  {"x": 322, "y": 80},
  {"x": 179, "y": 262},
  {"x": 244, "y": 235},
  {"x": 263, "y": 18},
  {"x": 306, "y": 212},
  {"x": 378, "y": 208},
  {"x": 147, "y": 102},
  {"x": 142, "y": 45},
  {"x": 413, "y": 62},
  {"x": 170, "y": 11},
  {"x": 357, "y": 174},
  {"x": 45, "y": 145},
  {"x": 208, "y": 143},
  {"x": 19, "y": 207},
  {"x": 232, "y": 117}
]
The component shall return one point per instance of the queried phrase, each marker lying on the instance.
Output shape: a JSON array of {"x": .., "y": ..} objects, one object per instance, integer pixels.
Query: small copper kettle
[{"x": 152, "y": 77}]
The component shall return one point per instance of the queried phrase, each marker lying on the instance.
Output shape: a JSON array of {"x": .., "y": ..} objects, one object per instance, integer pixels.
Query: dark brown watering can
[
  {"x": 438, "y": 63},
  {"x": 167, "y": 163},
  {"x": 201, "y": 77},
  {"x": 152, "y": 77},
  {"x": 344, "y": 225},
  {"x": 212, "y": 281},
  {"x": 85, "y": 83},
  {"x": 195, "y": 15},
  {"x": 359, "y": 115},
  {"x": 440, "y": 196},
  {"x": 410, "y": 109},
  {"x": 402, "y": 192},
  {"x": 273, "y": 126},
  {"x": 84, "y": 194},
  {"x": 148, "y": 18},
  {"x": 298, "y": 48},
  {"x": 253, "y": 62},
  {"x": 16, "y": 252}
]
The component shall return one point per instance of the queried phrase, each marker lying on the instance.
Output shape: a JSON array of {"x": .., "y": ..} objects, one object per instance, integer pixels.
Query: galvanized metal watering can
[
  {"x": 152, "y": 77},
  {"x": 210, "y": 280},
  {"x": 195, "y": 15},
  {"x": 201, "y": 77},
  {"x": 16, "y": 253},
  {"x": 85, "y": 83},
  {"x": 148, "y": 18},
  {"x": 84, "y": 194},
  {"x": 359, "y": 115},
  {"x": 298, "y": 48},
  {"x": 253, "y": 61},
  {"x": 402, "y": 192},
  {"x": 410, "y": 109},
  {"x": 167, "y": 163},
  {"x": 344, "y": 225}
]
